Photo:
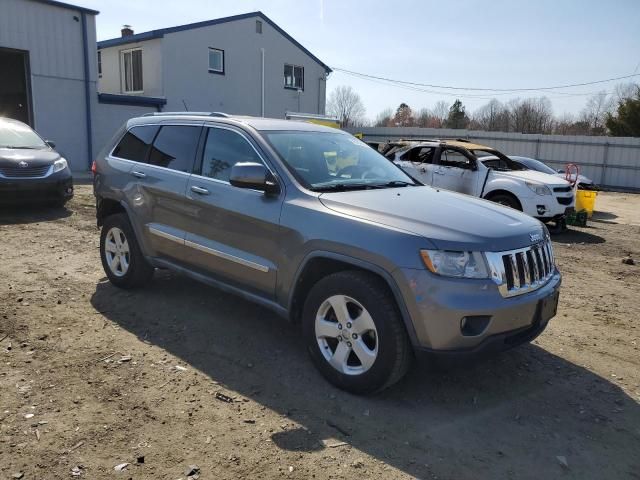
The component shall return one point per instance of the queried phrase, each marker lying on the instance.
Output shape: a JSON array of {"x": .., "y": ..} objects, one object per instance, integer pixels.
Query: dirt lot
[{"x": 92, "y": 377}]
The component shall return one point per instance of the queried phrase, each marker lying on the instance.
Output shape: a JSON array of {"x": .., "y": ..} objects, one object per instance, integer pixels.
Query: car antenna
[{"x": 186, "y": 109}]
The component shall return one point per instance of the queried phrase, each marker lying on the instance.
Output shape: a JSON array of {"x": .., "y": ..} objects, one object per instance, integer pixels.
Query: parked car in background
[
  {"x": 484, "y": 172},
  {"x": 30, "y": 168},
  {"x": 310, "y": 222},
  {"x": 538, "y": 166}
]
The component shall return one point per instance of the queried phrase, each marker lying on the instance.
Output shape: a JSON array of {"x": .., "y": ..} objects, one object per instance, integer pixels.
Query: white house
[{"x": 244, "y": 64}]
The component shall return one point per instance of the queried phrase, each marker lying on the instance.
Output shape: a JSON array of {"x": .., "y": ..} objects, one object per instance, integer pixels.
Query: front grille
[
  {"x": 566, "y": 189},
  {"x": 26, "y": 172},
  {"x": 523, "y": 270},
  {"x": 565, "y": 200}
]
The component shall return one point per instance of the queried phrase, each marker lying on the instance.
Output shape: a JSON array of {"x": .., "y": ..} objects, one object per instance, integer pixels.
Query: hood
[
  {"x": 35, "y": 158},
  {"x": 449, "y": 220},
  {"x": 533, "y": 176},
  {"x": 581, "y": 178}
]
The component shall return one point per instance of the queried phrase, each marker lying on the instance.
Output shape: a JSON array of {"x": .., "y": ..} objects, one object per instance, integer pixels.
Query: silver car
[{"x": 315, "y": 225}]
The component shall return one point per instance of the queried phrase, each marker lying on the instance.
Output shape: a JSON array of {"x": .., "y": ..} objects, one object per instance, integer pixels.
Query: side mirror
[
  {"x": 253, "y": 175},
  {"x": 560, "y": 170},
  {"x": 50, "y": 143}
]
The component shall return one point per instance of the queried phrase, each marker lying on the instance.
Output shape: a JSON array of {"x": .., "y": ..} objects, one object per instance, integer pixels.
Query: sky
[{"x": 496, "y": 44}]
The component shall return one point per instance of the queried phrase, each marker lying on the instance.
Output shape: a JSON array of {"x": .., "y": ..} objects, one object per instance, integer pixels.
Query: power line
[
  {"x": 508, "y": 90},
  {"x": 410, "y": 86}
]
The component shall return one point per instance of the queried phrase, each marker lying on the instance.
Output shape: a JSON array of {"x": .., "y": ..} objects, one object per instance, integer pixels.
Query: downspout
[
  {"x": 262, "y": 84},
  {"x": 87, "y": 88}
]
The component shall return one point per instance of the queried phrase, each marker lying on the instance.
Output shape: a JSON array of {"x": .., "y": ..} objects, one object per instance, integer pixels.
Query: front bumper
[
  {"x": 548, "y": 207},
  {"x": 55, "y": 187},
  {"x": 437, "y": 306}
]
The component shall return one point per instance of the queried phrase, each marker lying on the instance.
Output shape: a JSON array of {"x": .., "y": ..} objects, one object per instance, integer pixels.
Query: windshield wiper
[
  {"x": 342, "y": 187},
  {"x": 397, "y": 183}
]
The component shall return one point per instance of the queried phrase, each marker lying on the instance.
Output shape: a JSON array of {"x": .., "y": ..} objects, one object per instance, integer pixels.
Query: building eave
[
  {"x": 136, "y": 100},
  {"x": 140, "y": 37},
  {"x": 68, "y": 6}
]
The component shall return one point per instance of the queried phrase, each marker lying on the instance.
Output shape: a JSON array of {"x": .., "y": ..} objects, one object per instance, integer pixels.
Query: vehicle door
[
  {"x": 233, "y": 232},
  {"x": 419, "y": 163},
  {"x": 160, "y": 184},
  {"x": 456, "y": 170}
]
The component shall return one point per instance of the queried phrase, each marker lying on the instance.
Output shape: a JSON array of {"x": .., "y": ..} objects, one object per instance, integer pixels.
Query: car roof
[
  {"x": 258, "y": 123},
  {"x": 13, "y": 121},
  {"x": 436, "y": 142}
]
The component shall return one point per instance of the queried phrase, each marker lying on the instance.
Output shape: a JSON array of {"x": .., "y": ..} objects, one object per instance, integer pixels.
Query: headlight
[
  {"x": 59, "y": 164},
  {"x": 539, "y": 188},
  {"x": 455, "y": 264}
]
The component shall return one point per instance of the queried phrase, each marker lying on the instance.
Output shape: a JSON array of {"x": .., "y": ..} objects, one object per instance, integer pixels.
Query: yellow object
[{"x": 586, "y": 200}]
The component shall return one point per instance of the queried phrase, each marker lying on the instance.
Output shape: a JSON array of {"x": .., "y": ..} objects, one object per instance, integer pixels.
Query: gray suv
[{"x": 315, "y": 225}]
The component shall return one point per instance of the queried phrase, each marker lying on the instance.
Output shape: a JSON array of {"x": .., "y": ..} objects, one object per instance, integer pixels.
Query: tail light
[{"x": 94, "y": 169}]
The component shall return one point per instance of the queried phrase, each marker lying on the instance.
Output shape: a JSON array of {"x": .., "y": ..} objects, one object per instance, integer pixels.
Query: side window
[
  {"x": 135, "y": 143},
  {"x": 419, "y": 155},
  {"x": 453, "y": 158},
  {"x": 175, "y": 147},
  {"x": 223, "y": 149}
]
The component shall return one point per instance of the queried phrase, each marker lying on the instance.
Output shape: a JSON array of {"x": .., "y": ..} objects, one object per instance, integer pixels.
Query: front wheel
[
  {"x": 122, "y": 259},
  {"x": 507, "y": 200},
  {"x": 354, "y": 332}
]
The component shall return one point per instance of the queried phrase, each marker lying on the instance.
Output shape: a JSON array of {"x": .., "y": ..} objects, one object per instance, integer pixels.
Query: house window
[
  {"x": 99, "y": 64},
  {"x": 216, "y": 60},
  {"x": 132, "y": 70},
  {"x": 293, "y": 77},
  {"x": 258, "y": 26}
]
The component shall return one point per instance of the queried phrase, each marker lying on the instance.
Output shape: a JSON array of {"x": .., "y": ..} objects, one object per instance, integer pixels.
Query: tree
[
  {"x": 457, "y": 116},
  {"x": 492, "y": 117},
  {"x": 626, "y": 121},
  {"x": 440, "y": 113},
  {"x": 403, "y": 116},
  {"x": 384, "y": 118},
  {"x": 596, "y": 110},
  {"x": 345, "y": 104}
]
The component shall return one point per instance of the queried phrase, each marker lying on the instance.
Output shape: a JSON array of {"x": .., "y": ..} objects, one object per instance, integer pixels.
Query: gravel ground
[{"x": 180, "y": 374}]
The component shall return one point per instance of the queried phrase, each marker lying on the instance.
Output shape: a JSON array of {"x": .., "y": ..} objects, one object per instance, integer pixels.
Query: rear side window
[
  {"x": 135, "y": 143},
  {"x": 223, "y": 149},
  {"x": 175, "y": 147}
]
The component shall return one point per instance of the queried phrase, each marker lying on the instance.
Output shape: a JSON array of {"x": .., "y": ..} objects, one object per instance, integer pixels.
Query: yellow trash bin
[{"x": 586, "y": 200}]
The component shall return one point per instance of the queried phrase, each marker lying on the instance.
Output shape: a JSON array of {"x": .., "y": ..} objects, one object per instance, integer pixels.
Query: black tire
[
  {"x": 506, "y": 199},
  {"x": 394, "y": 349},
  {"x": 139, "y": 271}
]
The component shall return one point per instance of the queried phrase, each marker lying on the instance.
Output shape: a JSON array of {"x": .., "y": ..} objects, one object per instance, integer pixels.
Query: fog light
[
  {"x": 541, "y": 209},
  {"x": 69, "y": 189},
  {"x": 474, "y": 325}
]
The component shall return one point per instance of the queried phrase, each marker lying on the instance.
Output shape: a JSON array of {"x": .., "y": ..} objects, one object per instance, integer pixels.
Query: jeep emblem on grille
[
  {"x": 535, "y": 237},
  {"x": 23, "y": 164}
]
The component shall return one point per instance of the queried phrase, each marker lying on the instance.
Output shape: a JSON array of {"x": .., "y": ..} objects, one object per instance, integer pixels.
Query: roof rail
[{"x": 187, "y": 114}]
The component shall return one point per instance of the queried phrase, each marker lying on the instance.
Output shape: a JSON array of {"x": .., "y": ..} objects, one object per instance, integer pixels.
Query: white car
[
  {"x": 484, "y": 172},
  {"x": 533, "y": 164}
]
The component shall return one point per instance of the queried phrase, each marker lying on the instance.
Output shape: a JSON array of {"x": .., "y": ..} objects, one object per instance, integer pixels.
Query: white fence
[{"x": 608, "y": 161}]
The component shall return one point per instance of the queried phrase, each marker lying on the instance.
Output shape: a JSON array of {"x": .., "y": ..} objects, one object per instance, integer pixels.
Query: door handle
[
  {"x": 138, "y": 174},
  {"x": 438, "y": 172},
  {"x": 199, "y": 190}
]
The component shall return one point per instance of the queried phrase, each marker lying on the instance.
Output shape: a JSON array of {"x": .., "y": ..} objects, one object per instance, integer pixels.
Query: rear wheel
[
  {"x": 506, "y": 199},
  {"x": 120, "y": 253},
  {"x": 354, "y": 332}
]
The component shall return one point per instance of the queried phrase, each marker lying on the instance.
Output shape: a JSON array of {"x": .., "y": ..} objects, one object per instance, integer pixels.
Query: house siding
[{"x": 185, "y": 81}]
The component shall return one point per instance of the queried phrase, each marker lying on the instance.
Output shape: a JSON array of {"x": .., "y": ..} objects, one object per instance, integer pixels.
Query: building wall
[
  {"x": 110, "y": 82},
  {"x": 176, "y": 67},
  {"x": 54, "y": 40},
  {"x": 238, "y": 91}
]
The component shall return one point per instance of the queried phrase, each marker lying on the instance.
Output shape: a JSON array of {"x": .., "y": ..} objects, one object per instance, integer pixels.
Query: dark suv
[{"x": 312, "y": 223}]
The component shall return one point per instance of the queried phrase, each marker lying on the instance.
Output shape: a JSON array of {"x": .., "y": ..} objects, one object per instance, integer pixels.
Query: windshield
[
  {"x": 16, "y": 135},
  {"x": 534, "y": 164},
  {"x": 496, "y": 160},
  {"x": 335, "y": 161}
]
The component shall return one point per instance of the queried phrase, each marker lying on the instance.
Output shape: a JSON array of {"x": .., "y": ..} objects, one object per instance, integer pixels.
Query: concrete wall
[
  {"x": 54, "y": 40},
  {"x": 111, "y": 80},
  {"x": 608, "y": 161},
  {"x": 185, "y": 77}
]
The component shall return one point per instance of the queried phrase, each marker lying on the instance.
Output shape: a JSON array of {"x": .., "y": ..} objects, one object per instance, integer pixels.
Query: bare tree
[
  {"x": 440, "y": 112},
  {"x": 384, "y": 118},
  {"x": 595, "y": 111},
  {"x": 493, "y": 117},
  {"x": 346, "y": 105}
]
